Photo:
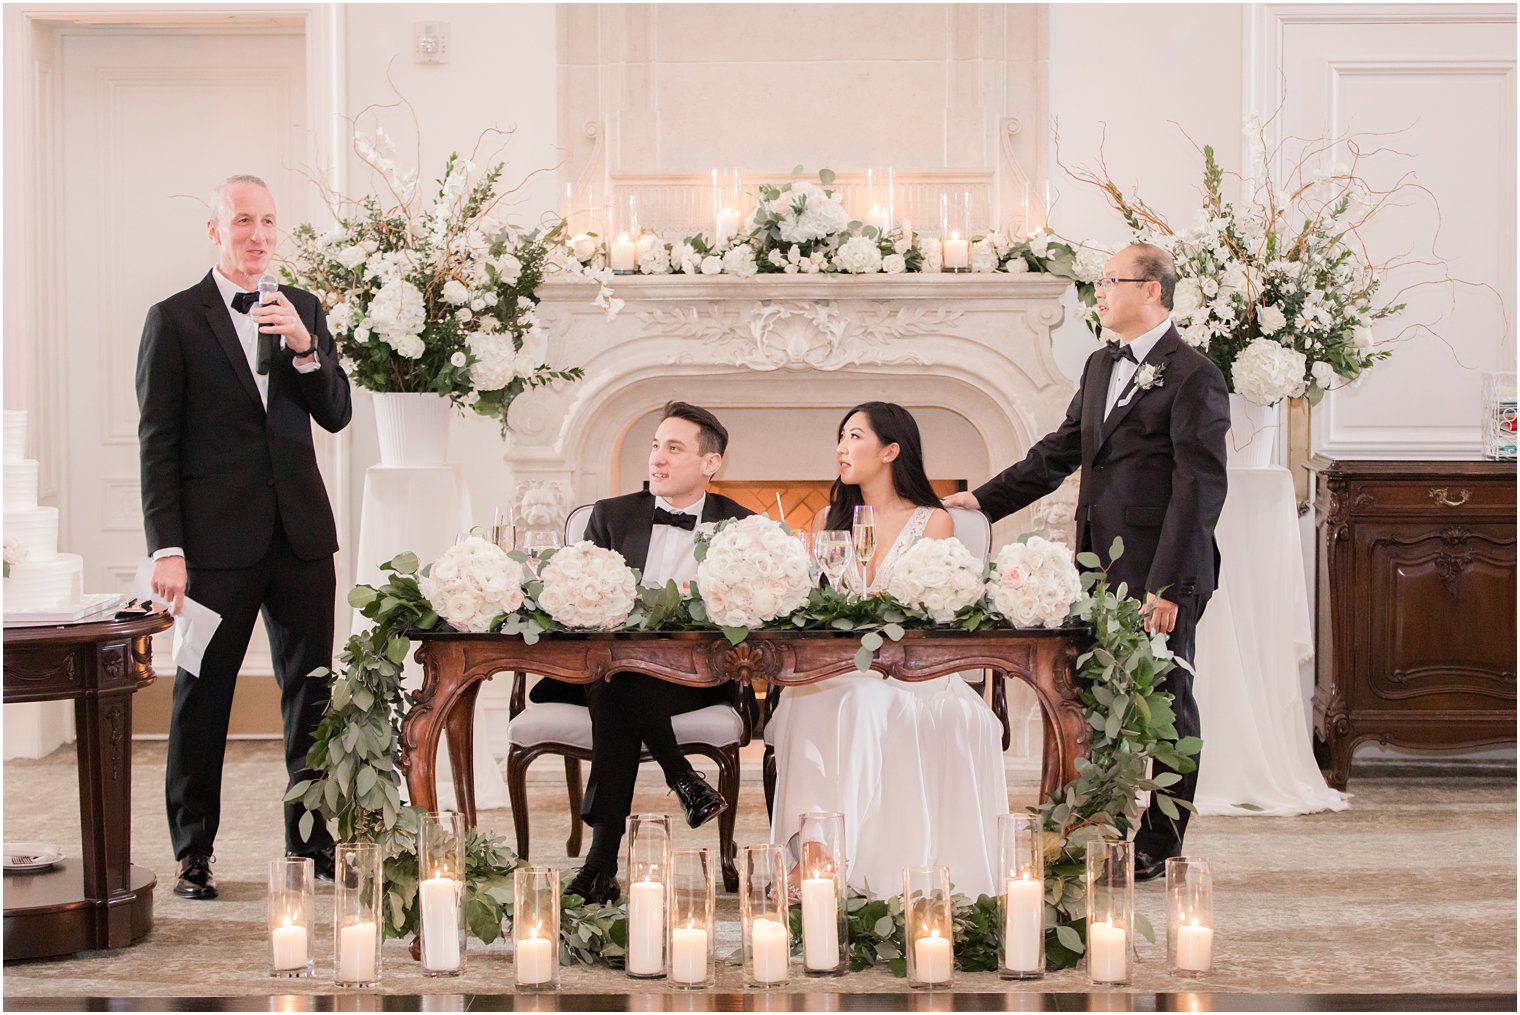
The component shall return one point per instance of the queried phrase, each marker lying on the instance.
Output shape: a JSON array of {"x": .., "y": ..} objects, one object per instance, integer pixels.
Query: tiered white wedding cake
[{"x": 40, "y": 578}]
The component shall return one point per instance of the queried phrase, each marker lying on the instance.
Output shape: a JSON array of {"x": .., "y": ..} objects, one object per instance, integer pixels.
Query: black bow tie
[
  {"x": 243, "y": 302},
  {"x": 680, "y": 521},
  {"x": 1118, "y": 351}
]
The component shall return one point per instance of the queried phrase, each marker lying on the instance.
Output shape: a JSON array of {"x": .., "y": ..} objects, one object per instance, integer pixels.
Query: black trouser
[
  {"x": 628, "y": 713},
  {"x": 1159, "y": 835},
  {"x": 296, "y": 597}
]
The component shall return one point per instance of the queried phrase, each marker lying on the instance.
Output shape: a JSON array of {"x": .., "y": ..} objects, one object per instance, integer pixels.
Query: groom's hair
[
  {"x": 1155, "y": 265},
  {"x": 712, "y": 436}
]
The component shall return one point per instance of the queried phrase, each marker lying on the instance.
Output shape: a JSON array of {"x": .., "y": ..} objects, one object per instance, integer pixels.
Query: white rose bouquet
[
  {"x": 939, "y": 576},
  {"x": 752, "y": 572},
  {"x": 472, "y": 583},
  {"x": 434, "y": 293},
  {"x": 586, "y": 586},
  {"x": 1034, "y": 583}
]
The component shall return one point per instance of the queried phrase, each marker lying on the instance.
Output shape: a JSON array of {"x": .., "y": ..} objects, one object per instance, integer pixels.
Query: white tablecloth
[
  {"x": 423, "y": 510},
  {"x": 1252, "y": 639}
]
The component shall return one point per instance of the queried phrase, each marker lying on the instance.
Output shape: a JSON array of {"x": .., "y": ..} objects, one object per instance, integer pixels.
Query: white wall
[{"x": 501, "y": 73}]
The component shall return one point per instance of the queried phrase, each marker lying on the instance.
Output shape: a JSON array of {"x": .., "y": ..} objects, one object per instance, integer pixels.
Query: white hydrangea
[
  {"x": 408, "y": 346},
  {"x": 821, "y": 214},
  {"x": 1039, "y": 243},
  {"x": 1089, "y": 264},
  {"x": 352, "y": 256},
  {"x": 1361, "y": 339},
  {"x": 586, "y": 586},
  {"x": 1186, "y": 299},
  {"x": 1266, "y": 372},
  {"x": 473, "y": 582},
  {"x": 1034, "y": 583},
  {"x": 984, "y": 257},
  {"x": 753, "y": 572},
  {"x": 534, "y": 352},
  {"x": 858, "y": 255},
  {"x": 1016, "y": 266},
  {"x": 740, "y": 261},
  {"x": 397, "y": 313},
  {"x": 939, "y": 576},
  {"x": 655, "y": 259},
  {"x": 1271, "y": 318},
  {"x": 495, "y": 361}
]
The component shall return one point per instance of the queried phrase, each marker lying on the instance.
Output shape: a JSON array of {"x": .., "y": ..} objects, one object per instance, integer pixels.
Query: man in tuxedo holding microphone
[
  {"x": 230, "y": 375},
  {"x": 1147, "y": 428}
]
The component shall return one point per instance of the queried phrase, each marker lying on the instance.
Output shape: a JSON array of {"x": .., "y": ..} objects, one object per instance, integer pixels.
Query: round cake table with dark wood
[{"x": 100, "y": 900}]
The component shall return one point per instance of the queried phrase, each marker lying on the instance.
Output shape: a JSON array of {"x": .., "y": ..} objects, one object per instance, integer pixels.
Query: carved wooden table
[
  {"x": 100, "y": 900},
  {"x": 455, "y": 665}
]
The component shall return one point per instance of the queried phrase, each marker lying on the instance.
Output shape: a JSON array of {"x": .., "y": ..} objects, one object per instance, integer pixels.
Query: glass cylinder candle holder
[
  {"x": 358, "y": 914},
  {"x": 955, "y": 231},
  {"x": 691, "y": 900},
  {"x": 881, "y": 198},
  {"x": 1110, "y": 910},
  {"x": 763, "y": 915},
  {"x": 648, "y": 866},
  {"x": 440, "y": 893},
  {"x": 1021, "y": 904},
  {"x": 928, "y": 927},
  {"x": 289, "y": 910},
  {"x": 825, "y": 941},
  {"x": 535, "y": 928},
  {"x": 623, "y": 247},
  {"x": 1189, "y": 916}
]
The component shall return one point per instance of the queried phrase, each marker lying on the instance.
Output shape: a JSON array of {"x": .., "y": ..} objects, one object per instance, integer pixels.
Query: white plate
[{"x": 21, "y": 857}]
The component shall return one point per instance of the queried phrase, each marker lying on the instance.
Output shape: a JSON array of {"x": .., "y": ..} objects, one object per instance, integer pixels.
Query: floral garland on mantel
[{"x": 357, "y": 749}]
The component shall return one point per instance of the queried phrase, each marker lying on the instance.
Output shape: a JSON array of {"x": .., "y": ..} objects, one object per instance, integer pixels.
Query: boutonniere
[{"x": 1150, "y": 375}]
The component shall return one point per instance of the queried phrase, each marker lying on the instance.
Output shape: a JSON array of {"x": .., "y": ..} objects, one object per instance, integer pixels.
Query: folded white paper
[{"x": 193, "y": 625}]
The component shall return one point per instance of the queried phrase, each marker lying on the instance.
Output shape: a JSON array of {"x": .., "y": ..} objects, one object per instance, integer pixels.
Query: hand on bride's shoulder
[{"x": 940, "y": 525}]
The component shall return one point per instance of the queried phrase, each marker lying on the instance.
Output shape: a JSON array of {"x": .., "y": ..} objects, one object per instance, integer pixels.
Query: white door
[{"x": 148, "y": 122}]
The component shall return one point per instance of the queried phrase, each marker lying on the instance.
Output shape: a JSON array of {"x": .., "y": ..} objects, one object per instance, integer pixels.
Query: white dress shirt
[
  {"x": 1124, "y": 369},
  {"x": 672, "y": 551}
]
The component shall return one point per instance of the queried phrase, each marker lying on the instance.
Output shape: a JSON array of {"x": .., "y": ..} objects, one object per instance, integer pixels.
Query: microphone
[{"x": 268, "y": 287}]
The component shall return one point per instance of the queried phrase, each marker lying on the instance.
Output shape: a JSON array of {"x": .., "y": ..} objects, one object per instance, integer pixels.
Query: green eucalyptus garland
[{"x": 357, "y": 753}]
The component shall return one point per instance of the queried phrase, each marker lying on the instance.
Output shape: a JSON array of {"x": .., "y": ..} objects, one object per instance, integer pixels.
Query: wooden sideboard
[{"x": 1415, "y": 606}]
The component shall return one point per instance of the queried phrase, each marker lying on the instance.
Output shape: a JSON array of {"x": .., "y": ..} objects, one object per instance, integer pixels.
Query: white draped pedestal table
[
  {"x": 1252, "y": 640},
  {"x": 422, "y": 509}
]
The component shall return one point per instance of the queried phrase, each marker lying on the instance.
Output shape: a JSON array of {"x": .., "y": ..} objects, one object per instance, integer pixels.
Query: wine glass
[
  {"x": 806, "y": 538},
  {"x": 835, "y": 554},
  {"x": 536, "y": 541},
  {"x": 504, "y": 528}
]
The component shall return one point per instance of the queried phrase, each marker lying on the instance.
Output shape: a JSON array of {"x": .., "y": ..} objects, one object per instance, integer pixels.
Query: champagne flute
[
  {"x": 864, "y": 532},
  {"x": 835, "y": 554},
  {"x": 504, "y": 528}
]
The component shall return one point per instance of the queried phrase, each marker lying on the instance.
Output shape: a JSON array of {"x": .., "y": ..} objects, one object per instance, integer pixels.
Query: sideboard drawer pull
[{"x": 1441, "y": 496}]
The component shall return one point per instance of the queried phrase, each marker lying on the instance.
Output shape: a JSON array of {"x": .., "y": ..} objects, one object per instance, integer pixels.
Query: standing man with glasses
[{"x": 1147, "y": 428}]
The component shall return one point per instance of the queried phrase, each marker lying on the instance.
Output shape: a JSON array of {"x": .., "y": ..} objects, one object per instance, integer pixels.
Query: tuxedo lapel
[
  {"x": 226, "y": 337},
  {"x": 1094, "y": 397},
  {"x": 638, "y": 521},
  {"x": 1159, "y": 354}
]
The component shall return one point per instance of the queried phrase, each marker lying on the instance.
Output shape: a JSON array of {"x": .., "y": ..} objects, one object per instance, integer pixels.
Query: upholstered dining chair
[
  {"x": 975, "y": 532},
  {"x": 535, "y": 729}
]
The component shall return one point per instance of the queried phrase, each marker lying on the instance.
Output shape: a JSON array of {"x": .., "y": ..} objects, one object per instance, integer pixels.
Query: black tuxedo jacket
[
  {"x": 624, "y": 523},
  {"x": 1153, "y": 472},
  {"x": 217, "y": 468}
]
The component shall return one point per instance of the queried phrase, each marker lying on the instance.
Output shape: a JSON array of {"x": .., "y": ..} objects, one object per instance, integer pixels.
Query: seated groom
[{"x": 656, "y": 534}]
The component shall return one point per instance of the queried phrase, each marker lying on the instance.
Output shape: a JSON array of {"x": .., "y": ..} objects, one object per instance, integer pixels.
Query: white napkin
[{"x": 193, "y": 625}]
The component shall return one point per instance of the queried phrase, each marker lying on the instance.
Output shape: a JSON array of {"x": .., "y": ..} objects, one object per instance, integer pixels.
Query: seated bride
[{"x": 916, "y": 768}]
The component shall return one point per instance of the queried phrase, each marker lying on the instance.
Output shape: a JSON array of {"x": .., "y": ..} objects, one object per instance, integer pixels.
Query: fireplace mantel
[{"x": 977, "y": 344}]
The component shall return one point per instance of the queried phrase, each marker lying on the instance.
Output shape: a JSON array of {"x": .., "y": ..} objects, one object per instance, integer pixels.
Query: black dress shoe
[
  {"x": 324, "y": 863},
  {"x": 1148, "y": 867},
  {"x": 699, "y": 800},
  {"x": 595, "y": 885},
  {"x": 195, "y": 878}
]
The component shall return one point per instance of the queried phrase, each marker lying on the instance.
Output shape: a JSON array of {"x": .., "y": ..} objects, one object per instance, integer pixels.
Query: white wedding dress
[{"x": 915, "y": 768}]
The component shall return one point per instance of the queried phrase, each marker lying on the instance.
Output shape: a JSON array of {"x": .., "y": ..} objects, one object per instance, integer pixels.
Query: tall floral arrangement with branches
[{"x": 431, "y": 289}]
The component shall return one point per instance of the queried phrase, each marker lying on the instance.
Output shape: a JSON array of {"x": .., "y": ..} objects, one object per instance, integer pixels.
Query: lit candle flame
[
  {"x": 955, "y": 234},
  {"x": 533, "y": 933},
  {"x": 1193, "y": 921},
  {"x": 287, "y": 921}
]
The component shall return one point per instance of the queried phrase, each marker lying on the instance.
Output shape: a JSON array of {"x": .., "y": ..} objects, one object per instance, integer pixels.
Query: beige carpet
[{"x": 1411, "y": 890}]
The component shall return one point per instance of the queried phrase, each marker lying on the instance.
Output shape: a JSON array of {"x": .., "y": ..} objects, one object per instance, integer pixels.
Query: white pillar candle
[
  {"x": 727, "y": 225},
  {"x": 820, "y": 924},
  {"x": 439, "y": 909},
  {"x": 356, "y": 952},
  {"x": 1107, "y": 953},
  {"x": 288, "y": 942},
  {"x": 878, "y": 217},
  {"x": 932, "y": 958},
  {"x": 582, "y": 246},
  {"x": 1195, "y": 947},
  {"x": 535, "y": 959},
  {"x": 769, "y": 949},
  {"x": 957, "y": 252},
  {"x": 1025, "y": 924},
  {"x": 623, "y": 253},
  {"x": 688, "y": 954},
  {"x": 646, "y": 928}
]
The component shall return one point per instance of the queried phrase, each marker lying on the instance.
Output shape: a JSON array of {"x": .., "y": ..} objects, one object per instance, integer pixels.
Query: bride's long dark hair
[{"x": 892, "y": 424}]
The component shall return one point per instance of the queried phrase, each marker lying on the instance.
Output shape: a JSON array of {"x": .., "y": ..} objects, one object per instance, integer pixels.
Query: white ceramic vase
[
  {"x": 414, "y": 429},
  {"x": 1253, "y": 433}
]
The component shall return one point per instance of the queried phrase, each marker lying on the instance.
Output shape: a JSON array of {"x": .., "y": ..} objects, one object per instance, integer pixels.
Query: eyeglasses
[{"x": 1109, "y": 283}]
